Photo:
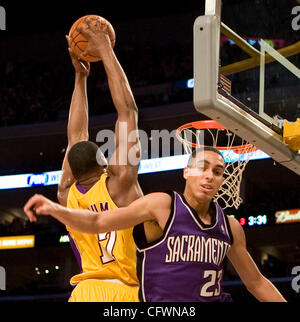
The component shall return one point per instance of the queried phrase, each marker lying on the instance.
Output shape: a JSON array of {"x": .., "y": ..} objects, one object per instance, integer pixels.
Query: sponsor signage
[
  {"x": 14, "y": 242},
  {"x": 146, "y": 166},
  {"x": 287, "y": 216}
]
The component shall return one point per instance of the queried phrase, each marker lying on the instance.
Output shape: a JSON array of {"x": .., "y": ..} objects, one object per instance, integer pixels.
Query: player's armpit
[{"x": 66, "y": 181}]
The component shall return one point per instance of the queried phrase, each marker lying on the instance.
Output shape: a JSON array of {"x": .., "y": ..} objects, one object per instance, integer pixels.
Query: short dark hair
[
  {"x": 202, "y": 149},
  {"x": 82, "y": 158}
]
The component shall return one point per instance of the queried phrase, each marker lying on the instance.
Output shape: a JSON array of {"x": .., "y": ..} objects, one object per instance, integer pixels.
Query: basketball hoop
[{"x": 236, "y": 152}]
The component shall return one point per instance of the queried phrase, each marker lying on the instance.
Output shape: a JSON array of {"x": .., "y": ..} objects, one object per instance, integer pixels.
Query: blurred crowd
[
  {"x": 268, "y": 202},
  {"x": 33, "y": 91},
  {"x": 40, "y": 91},
  {"x": 36, "y": 83}
]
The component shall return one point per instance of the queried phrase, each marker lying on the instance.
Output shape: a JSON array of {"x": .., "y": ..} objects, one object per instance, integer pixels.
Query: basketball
[{"x": 78, "y": 42}]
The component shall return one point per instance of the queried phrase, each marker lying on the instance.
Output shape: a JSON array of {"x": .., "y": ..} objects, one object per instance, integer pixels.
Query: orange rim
[{"x": 212, "y": 124}]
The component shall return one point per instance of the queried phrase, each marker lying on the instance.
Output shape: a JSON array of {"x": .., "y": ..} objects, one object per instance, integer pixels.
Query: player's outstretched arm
[
  {"x": 259, "y": 286},
  {"x": 77, "y": 124},
  {"x": 86, "y": 221}
]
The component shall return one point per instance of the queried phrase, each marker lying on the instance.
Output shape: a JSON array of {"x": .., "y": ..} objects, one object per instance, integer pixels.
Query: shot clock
[
  {"x": 258, "y": 220},
  {"x": 254, "y": 220}
]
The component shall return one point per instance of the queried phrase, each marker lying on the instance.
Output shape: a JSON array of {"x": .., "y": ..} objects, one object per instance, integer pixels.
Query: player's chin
[{"x": 205, "y": 195}]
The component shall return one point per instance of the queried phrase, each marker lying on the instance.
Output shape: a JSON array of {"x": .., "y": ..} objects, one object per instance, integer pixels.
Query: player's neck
[
  {"x": 88, "y": 181},
  {"x": 200, "y": 206}
]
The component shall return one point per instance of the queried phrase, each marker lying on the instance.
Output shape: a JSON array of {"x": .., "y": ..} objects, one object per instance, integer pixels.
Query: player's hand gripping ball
[{"x": 78, "y": 42}]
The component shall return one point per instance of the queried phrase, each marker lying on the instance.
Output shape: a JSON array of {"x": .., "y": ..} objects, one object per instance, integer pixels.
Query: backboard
[{"x": 255, "y": 109}]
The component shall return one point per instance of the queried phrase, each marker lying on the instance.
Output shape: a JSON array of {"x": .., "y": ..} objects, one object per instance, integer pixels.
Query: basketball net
[{"x": 236, "y": 152}]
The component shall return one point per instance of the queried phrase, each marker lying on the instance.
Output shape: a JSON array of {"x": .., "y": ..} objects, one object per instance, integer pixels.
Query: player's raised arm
[
  {"x": 127, "y": 154},
  {"x": 255, "y": 282},
  {"x": 86, "y": 221},
  {"x": 126, "y": 157},
  {"x": 77, "y": 124}
]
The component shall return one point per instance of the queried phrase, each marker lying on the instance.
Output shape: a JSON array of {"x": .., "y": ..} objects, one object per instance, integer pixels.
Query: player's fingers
[
  {"x": 88, "y": 21},
  {"x": 30, "y": 203},
  {"x": 42, "y": 210},
  {"x": 29, "y": 208},
  {"x": 68, "y": 40},
  {"x": 83, "y": 55},
  {"x": 73, "y": 56},
  {"x": 85, "y": 31},
  {"x": 98, "y": 23},
  {"x": 104, "y": 25},
  {"x": 31, "y": 215},
  {"x": 101, "y": 24}
]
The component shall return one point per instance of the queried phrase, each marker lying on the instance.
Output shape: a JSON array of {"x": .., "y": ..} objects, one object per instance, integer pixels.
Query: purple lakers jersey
[{"x": 185, "y": 264}]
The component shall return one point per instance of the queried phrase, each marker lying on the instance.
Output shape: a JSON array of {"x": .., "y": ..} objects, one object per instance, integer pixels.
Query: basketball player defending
[
  {"x": 107, "y": 260},
  {"x": 183, "y": 261}
]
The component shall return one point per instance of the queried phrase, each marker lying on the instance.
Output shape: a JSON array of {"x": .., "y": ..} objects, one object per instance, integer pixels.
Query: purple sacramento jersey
[{"x": 185, "y": 264}]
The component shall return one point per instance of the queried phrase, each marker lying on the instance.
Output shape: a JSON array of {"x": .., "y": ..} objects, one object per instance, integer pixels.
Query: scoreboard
[{"x": 254, "y": 220}]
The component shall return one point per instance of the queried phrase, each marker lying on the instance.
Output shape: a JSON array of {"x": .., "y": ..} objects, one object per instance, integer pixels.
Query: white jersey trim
[{"x": 196, "y": 221}]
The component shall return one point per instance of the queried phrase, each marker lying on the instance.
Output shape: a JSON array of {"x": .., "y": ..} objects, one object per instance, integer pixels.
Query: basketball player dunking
[
  {"x": 183, "y": 263},
  {"x": 107, "y": 260}
]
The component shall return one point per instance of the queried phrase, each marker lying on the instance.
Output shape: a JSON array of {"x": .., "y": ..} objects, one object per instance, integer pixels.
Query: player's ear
[{"x": 186, "y": 172}]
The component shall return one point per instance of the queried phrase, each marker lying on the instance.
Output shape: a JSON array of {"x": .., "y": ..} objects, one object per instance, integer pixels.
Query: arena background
[{"x": 154, "y": 43}]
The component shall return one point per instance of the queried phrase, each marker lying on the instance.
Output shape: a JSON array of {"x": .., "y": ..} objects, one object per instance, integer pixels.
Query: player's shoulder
[
  {"x": 125, "y": 173},
  {"x": 232, "y": 221},
  {"x": 159, "y": 197},
  {"x": 236, "y": 228},
  {"x": 159, "y": 202},
  {"x": 121, "y": 178},
  {"x": 163, "y": 195},
  {"x": 159, "y": 205}
]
